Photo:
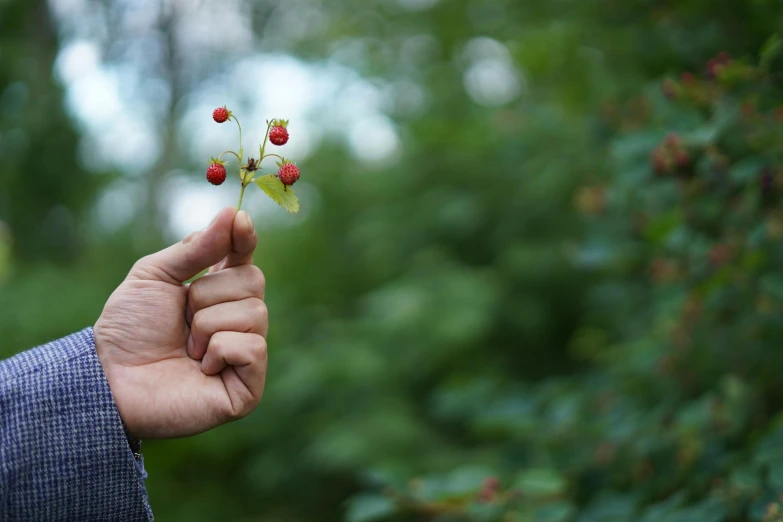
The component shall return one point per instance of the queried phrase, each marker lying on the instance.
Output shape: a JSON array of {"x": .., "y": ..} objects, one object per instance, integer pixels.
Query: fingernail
[
  {"x": 248, "y": 222},
  {"x": 190, "y": 346},
  {"x": 213, "y": 220}
]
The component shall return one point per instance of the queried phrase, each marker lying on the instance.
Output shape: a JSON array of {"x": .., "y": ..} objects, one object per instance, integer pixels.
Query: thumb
[{"x": 198, "y": 251}]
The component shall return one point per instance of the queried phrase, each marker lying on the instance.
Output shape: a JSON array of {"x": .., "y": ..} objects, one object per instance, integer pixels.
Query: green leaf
[
  {"x": 282, "y": 195},
  {"x": 704, "y": 135},
  {"x": 466, "y": 480},
  {"x": 559, "y": 512},
  {"x": 364, "y": 508},
  {"x": 770, "y": 50},
  {"x": 773, "y": 285},
  {"x": 707, "y": 134},
  {"x": 631, "y": 148},
  {"x": 746, "y": 480},
  {"x": 540, "y": 483},
  {"x": 746, "y": 170},
  {"x": 775, "y": 480}
]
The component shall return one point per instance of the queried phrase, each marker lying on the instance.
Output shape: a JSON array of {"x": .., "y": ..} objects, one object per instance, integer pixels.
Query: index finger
[{"x": 243, "y": 243}]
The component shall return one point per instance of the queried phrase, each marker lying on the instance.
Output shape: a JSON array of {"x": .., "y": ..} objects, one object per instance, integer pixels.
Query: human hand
[{"x": 182, "y": 359}]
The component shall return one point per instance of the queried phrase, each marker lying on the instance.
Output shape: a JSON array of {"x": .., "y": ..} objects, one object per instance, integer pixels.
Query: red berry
[
  {"x": 489, "y": 489},
  {"x": 278, "y": 135},
  {"x": 669, "y": 88},
  {"x": 220, "y": 114},
  {"x": 715, "y": 67},
  {"x": 492, "y": 483},
  {"x": 673, "y": 139},
  {"x": 216, "y": 173},
  {"x": 288, "y": 174},
  {"x": 660, "y": 160},
  {"x": 485, "y": 496},
  {"x": 682, "y": 158},
  {"x": 719, "y": 254}
]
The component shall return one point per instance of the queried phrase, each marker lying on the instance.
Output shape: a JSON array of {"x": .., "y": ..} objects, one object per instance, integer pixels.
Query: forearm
[{"x": 64, "y": 454}]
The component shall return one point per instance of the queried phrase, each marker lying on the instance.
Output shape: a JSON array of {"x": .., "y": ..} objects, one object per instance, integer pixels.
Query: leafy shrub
[{"x": 677, "y": 417}]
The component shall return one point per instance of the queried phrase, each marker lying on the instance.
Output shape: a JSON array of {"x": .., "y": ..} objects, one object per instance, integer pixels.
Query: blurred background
[{"x": 537, "y": 272}]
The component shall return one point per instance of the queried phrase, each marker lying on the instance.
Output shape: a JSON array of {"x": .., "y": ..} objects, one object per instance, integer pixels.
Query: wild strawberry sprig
[{"x": 276, "y": 186}]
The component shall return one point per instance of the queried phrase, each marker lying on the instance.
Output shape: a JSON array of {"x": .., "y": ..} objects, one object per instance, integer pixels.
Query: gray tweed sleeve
[{"x": 64, "y": 454}]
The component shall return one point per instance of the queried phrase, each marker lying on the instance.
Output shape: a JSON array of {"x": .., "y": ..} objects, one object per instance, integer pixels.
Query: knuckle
[
  {"x": 237, "y": 412},
  {"x": 152, "y": 260},
  {"x": 143, "y": 261},
  {"x": 144, "y": 266},
  {"x": 199, "y": 322},
  {"x": 245, "y": 405},
  {"x": 260, "y": 314},
  {"x": 217, "y": 345},
  {"x": 256, "y": 279},
  {"x": 248, "y": 407},
  {"x": 259, "y": 349},
  {"x": 253, "y": 404},
  {"x": 149, "y": 267},
  {"x": 196, "y": 294}
]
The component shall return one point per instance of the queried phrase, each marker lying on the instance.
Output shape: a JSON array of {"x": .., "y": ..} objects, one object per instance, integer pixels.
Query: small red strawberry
[
  {"x": 221, "y": 114},
  {"x": 278, "y": 135},
  {"x": 673, "y": 139},
  {"x": 682, "y": 158},
  {"x": 669, "y": 88},
  {"x": 288, "y": 173},
  {"x": 216, "y": 173},
  {"x": 660, "y": 160},
  {"x": 489, "y": 490}
]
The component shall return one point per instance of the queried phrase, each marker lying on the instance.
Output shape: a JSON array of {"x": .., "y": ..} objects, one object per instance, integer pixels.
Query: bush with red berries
[{"x": 677, "y": 414}]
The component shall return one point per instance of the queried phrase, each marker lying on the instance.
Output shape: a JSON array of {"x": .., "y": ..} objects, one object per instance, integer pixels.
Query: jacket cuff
[{"x": 65, "y": 453}]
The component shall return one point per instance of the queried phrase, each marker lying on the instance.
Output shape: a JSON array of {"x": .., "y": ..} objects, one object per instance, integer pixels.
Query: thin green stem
[
  {"x": 266, "y": 136},
  {"x": 239, "y": 157},
  {"x": 275, "y": 155},
  {"x": 230, "y": 152},
  {"x": 240, "y": 137},
  {"x": 241, "y": 195}
]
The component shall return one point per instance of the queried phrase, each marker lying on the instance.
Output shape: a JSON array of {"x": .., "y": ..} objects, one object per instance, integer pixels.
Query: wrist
[{"x": 103, "y": 350}]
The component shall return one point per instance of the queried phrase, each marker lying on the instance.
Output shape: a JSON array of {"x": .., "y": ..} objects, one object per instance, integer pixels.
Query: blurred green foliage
[
  {"x": 44, "y": 189},
  {"x": 560, "y": 306}
]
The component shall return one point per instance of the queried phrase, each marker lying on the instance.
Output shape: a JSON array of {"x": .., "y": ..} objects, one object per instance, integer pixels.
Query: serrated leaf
[{"x": 275, "y": 189}]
